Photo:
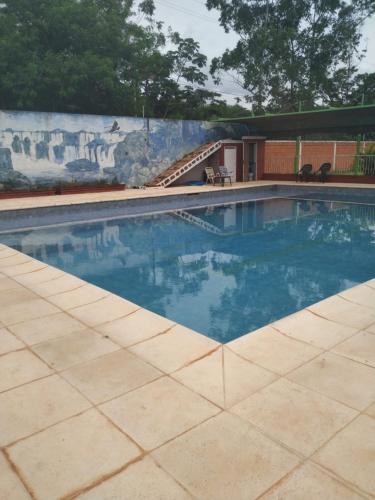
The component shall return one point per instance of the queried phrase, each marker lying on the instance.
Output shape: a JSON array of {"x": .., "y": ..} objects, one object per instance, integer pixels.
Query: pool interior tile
[
  {"x": 83, "y": 295},
  {"x": 37, "y": 405},
  {"x": 71, "y": 455},
  {"x": 350, "y": 454},
  {"x": 309, "y": 482},
  {"x": 224, "y": 378},
  {"x": 73, "y": 349},
  {"x": 294, "y": 415},
  {"x": 111, "y": 375},
  {"x": 11, "y": 488},
  {"x": 338, "y": 378},
  {"x": 140, "y": 481},
  {"x": 136, "y": 327},
  {"x": 8, "y": 342},
  {"x": 20, "y": 367},
  {"x": 225, "y": 457},
  {"x": 177, "y": 348},
  {"x": 104, "y": 310},
  {"x": 345, "y": 312},
  {"x": 272, "y": 350},
  {"x": 360, "y": 348},
  {"x": 39, "y": 330},
  {"x": 313, "y": 329},
  {"x": 158, "y": 412}
]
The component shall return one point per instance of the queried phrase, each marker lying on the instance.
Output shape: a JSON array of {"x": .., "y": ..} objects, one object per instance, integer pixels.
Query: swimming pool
[{"x": 221, "y": 270}]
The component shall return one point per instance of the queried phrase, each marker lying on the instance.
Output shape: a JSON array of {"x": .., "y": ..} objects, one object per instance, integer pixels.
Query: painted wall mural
[{"x": 48, "y": 148}]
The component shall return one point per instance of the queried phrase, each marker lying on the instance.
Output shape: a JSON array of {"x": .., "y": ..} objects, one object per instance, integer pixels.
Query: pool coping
[{"x": 277, "y": 355}]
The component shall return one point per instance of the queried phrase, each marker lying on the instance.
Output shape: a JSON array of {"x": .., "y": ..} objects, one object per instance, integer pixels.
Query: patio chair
[
  {"x": 304, "y": 173},
  {"x": 322, "y": 173},
  {"x": 211, "y": 175},
  {"x": 224, "y": 174}
]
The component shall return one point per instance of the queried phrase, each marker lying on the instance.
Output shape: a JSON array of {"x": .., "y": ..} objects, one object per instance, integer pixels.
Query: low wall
[{"x": 45, "y": 149}]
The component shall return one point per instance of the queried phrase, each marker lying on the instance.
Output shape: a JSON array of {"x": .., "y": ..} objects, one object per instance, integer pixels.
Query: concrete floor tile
[
  {"x": 73, "y": 349},
  {"x": 140, "y": 481},
  {"x": 273, "y": 350},
  {"x": 16, "y": 296},
  {"x": 14, "y": 260},
  {"x": 371, "y": 410},
  {"x": 50, "y": 327},
  {"x": 8, "y": 342},
  {"x": 224, "y": 458},
  {"x": 35, "y": 406},
  {"x": 338, "y": 378},
  {"x": 27, "y": 267},
  {"x": 111, "y": 375},
  {"x": 174, "y": 349},
  {"x": 308, "y": 482},
  {"x": 301, "y": 419},
  {"x": 345, "y": 312},
  {"x": 11, "y": 487},
  {"x": 8, "y": 284},
  {"x": 71, "y": 455},
  {"x": 104, "y": 310},
  {"x": 64, "y": 283},
  {"x": 360, "y": 348},
  {"x": 47, "y": 274},
  {"x": 371, "y": 328},
  {"x": 313, "y": 329},
  {"x": 20, "y": 367},
  {"x": 83, "y": 295},
  {"x": 158, "y": 412},
  {"x": 24, "y": 311},
  {"x": 224, "y": 378},
  {"x": 350, "y": 454},
  {"x": 137, "y": 327},
  {"x": 361, "y": 294}
]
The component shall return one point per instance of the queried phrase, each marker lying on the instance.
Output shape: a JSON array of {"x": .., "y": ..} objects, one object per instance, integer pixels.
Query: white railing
[{"x": 191, "y": 164}]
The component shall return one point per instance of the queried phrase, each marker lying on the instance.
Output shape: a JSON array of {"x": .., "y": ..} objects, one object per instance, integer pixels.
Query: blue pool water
[{"x": 223, "y": 271}]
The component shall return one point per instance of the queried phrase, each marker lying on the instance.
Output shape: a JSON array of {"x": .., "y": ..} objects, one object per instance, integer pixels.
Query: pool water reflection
[{"x": 222, "y": 271}]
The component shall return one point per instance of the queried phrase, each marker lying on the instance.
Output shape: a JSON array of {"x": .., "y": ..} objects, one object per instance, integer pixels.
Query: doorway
[
  {"x": 230, "y": 161},
  {"x": 250, "y": 161}
]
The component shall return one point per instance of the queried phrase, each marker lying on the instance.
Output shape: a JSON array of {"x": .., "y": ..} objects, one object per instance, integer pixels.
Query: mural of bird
[{"x": 114, "y": 128}]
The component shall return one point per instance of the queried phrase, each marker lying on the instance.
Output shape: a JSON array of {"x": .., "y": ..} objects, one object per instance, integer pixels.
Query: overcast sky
[{"x": 192, "y": 19}]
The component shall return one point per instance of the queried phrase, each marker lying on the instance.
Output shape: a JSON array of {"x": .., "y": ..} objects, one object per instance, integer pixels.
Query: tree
[
  {"x": 93, "y": 56},
  {"x": 292, "y": 51}
]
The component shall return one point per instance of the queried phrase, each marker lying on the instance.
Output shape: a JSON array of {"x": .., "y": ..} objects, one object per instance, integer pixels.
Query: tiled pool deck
[{"x": 101, "y": 399}]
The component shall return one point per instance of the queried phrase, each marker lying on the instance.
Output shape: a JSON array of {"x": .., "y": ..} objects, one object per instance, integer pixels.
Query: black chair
[
  {"x": 224, "y": 174},
  {"x": 322, "y": 173},
  {"x": 304, "y": 173}
]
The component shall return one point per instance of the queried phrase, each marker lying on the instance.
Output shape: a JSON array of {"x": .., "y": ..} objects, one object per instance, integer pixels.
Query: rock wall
[{"x": 47, "y": 148}]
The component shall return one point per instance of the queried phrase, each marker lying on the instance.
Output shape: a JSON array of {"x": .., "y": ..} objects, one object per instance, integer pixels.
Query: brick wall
[{"x": 279, "y": 155}]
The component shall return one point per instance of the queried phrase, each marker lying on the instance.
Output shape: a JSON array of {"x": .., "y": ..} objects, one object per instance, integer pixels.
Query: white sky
[{"x": 192, "y": 19}]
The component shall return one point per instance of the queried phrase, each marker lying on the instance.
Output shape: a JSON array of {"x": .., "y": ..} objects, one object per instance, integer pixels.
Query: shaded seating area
[
  {"x": 221, "y": 175},
  {"x": 306, "y": 174}
]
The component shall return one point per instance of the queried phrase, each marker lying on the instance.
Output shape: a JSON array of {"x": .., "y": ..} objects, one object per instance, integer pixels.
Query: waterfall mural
[{"x": 42, "y": 149}]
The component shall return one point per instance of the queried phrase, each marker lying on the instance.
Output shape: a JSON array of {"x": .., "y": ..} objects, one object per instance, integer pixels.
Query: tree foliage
[
  {"x": 293, "y": 51},
  {"x": 94, "y": 56}
]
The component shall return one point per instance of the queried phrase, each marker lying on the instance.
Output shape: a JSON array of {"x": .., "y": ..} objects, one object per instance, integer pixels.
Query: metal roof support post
[
  {"x": 357, "y": 160},
  {"x": 297, "y": 158}
]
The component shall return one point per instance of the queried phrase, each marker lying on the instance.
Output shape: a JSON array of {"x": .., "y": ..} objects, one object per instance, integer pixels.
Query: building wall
[
  {"x": 49, "y": 148},
  {"x": 280, "y": 155}
]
